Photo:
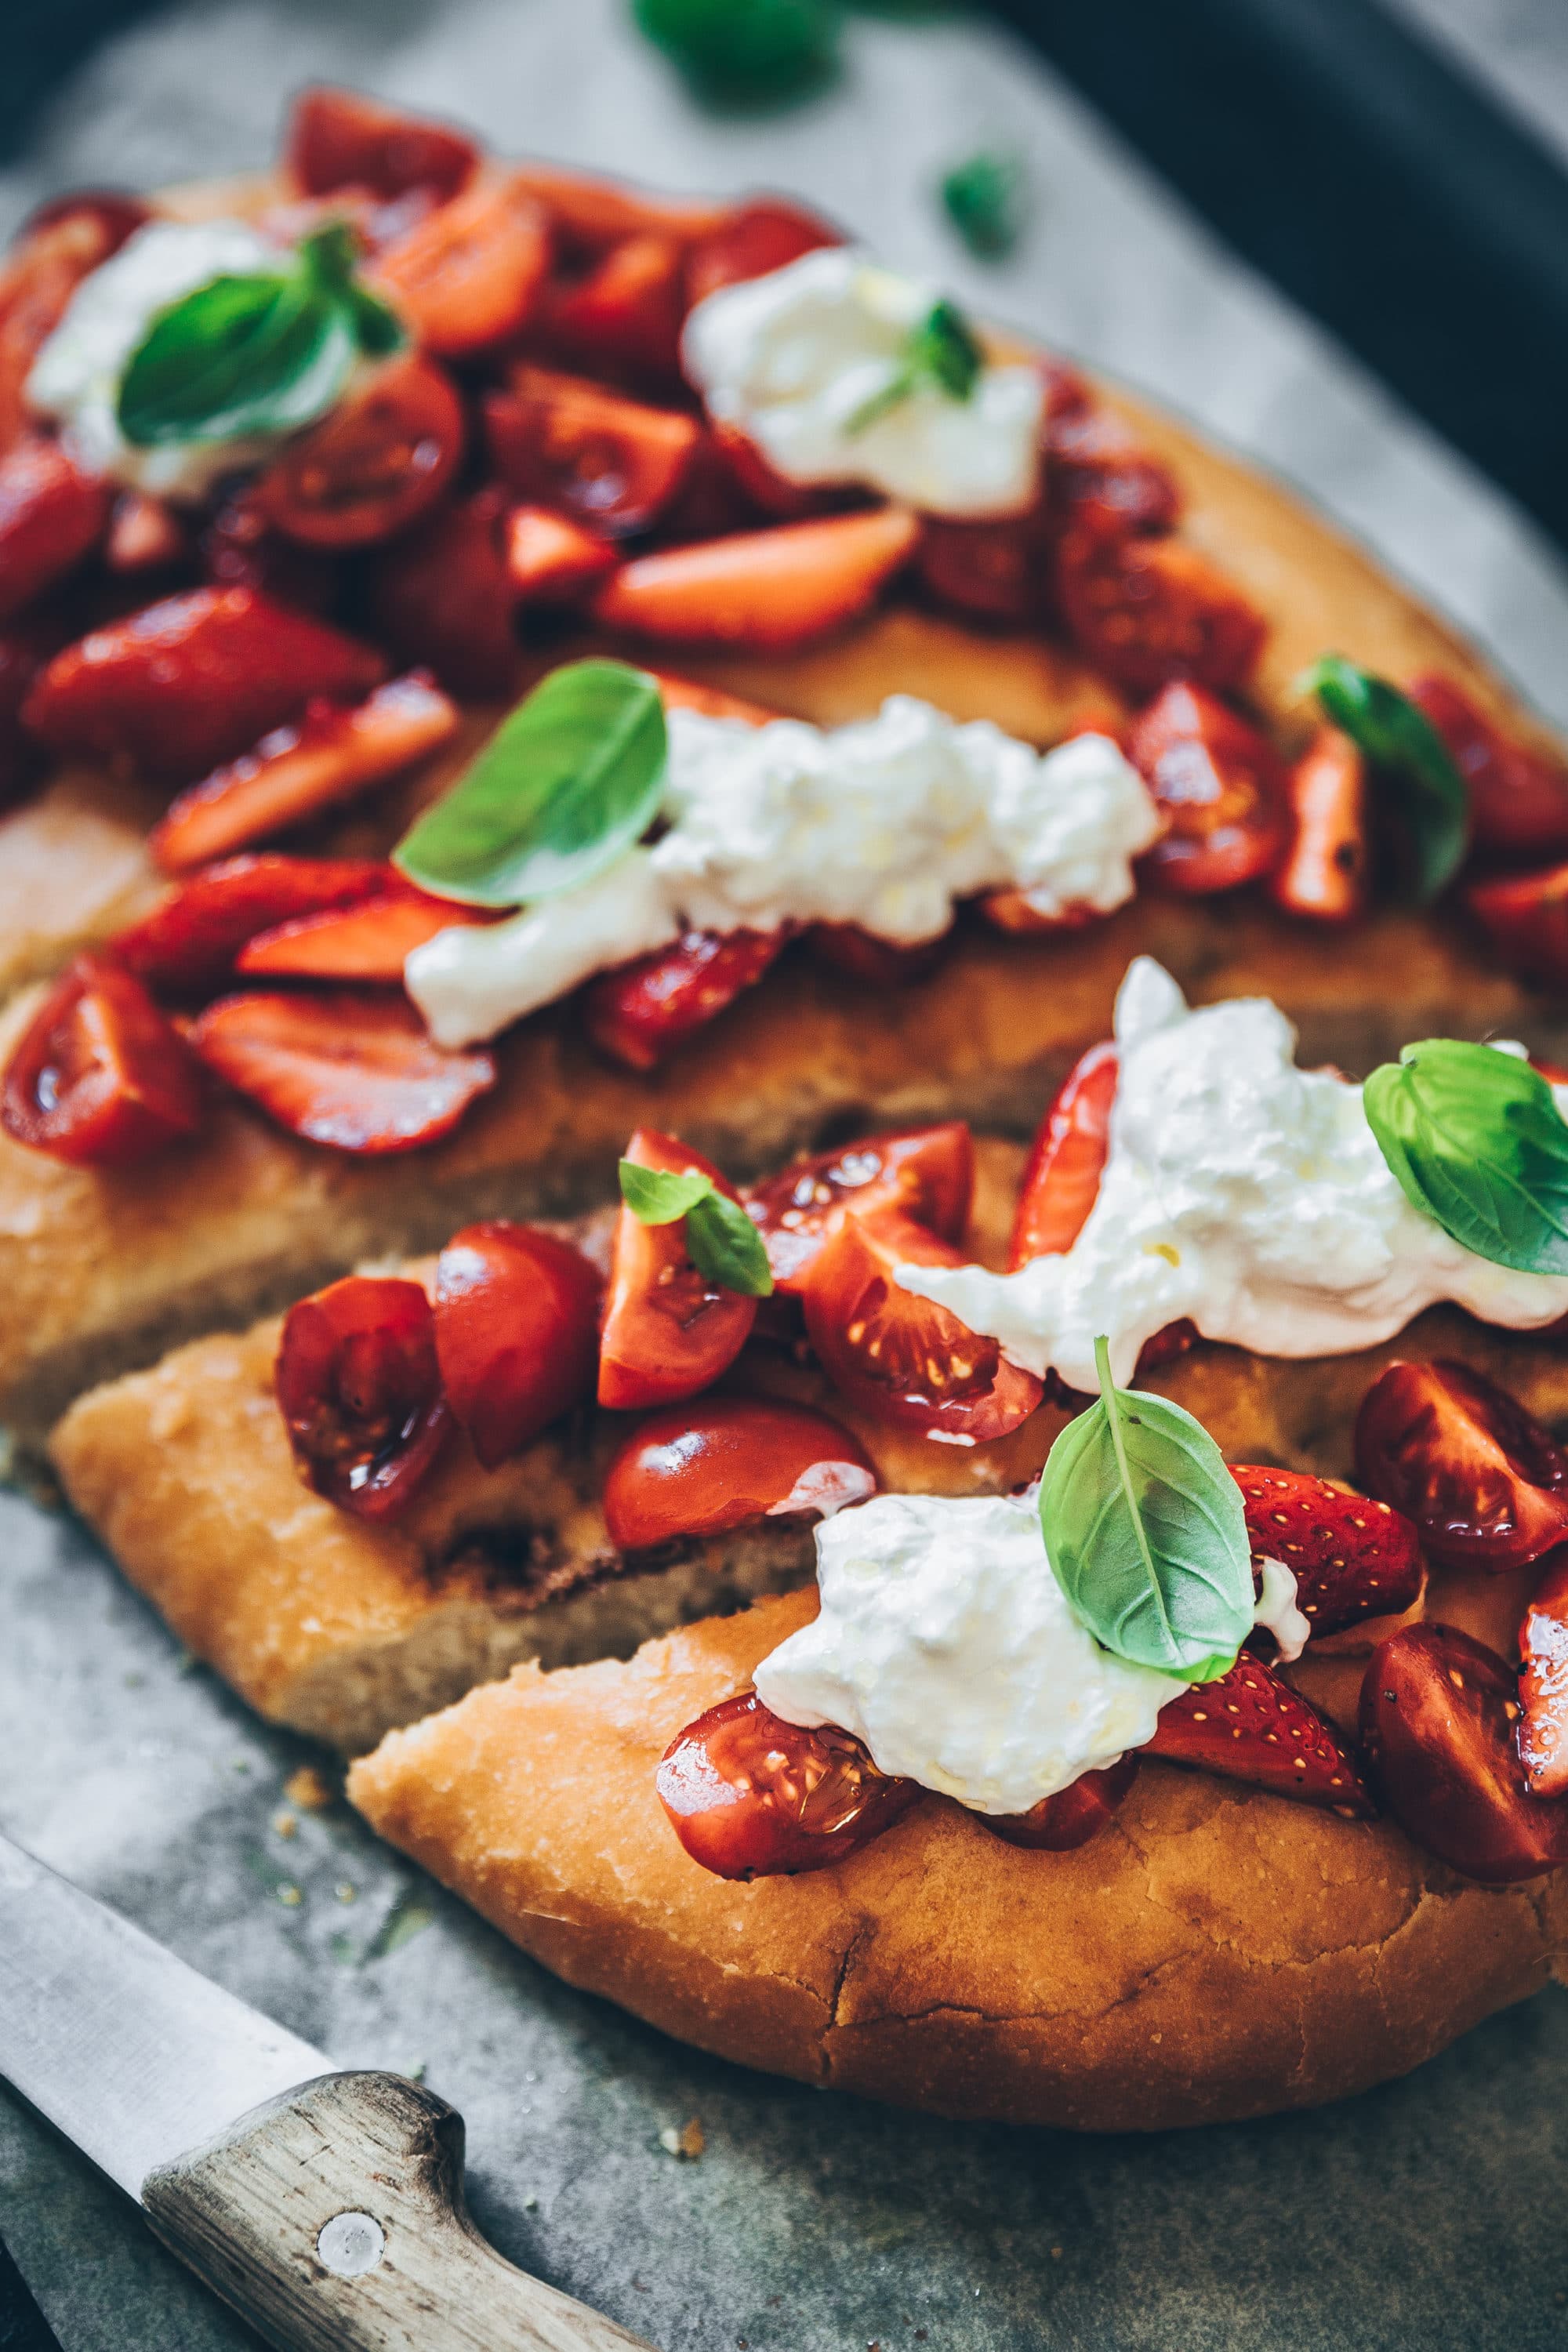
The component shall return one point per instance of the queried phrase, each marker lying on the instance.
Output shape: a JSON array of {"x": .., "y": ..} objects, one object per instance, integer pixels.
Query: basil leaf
[
  {"x": 656, "y": 1197},
  {"x": 941, "y": 353},
  {"x": 746, "y": 52},
  {"x": 726, "y": 1246},
  {"x": 261, "y": 353},
  {"x": 1477, "y": 1143},
  {"x": 1146, "y": 1533},
  {"x": 984, "y": 197},
  {"x": 565, "y": 785},
  {"x": 720, "y": 1239},
  {"x": 1411, "y": 768}
]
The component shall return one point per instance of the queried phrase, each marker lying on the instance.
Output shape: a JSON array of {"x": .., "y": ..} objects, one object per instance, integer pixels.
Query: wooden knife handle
[{"x": 333, "y": 2220}]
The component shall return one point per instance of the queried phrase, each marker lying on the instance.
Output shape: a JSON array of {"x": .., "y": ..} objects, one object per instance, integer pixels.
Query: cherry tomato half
[
  {"x": 1519, "y": 796},
  {"x": 470, "y": 273},
  {"x": 1525, "y": 917},
  {"x": 1144, "y": 611},
  {"x": 1543, "y": 1684},
  {"x": 903, "y": 1358},
  {"x": 1073, "y": 1816},
  {"x": 668, "y": 1330},
  {"x": 753, "y": 241},
  {"x": 383, "y": 456},
  {"x": 517, "y": 1332},
  {"x": 1066, "y": 1159},
  {"x": 750, "y": 1796},
  {"x": 927, "y": 1172},
  {"x": 1480, "y": 1477},
  {"x": 359, "y": 1386},
  {"x": 98, "y": 1077},
  {"x": 1220, "y": 786},
  {"x": 696, "y": 1470},
  {"x": 1438, "y": 1713}
]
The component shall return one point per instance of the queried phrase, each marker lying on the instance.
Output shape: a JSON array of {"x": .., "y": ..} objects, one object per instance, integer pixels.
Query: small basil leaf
[
  {"x": 1412, "y": 767},
  {"x": 240, "y": 355},
  {"x": 657, "y": 1197},
  {"x": 563, "y": 787},
  {"x": 725, "y": 1245},
  {"x": 984, "y": 197},
  {"x": 941, "y": 353},
  {"x": 1146, "y": 1533},
  {"x": 1477, "y": 1143},
  {"x": 746, "y": 52}
]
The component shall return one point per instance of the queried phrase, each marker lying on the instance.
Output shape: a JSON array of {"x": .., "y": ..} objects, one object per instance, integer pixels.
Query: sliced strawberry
[
  {"x": 52, "y": 516},
  {"x": 613, "y": 462},
  {"x": 471, "y": 273},
  {"x": 340, "y": 138},
  {"x": 99, "y": 1078},
  {"x": 1061, "y": 1179},
  {"x": 1484, "y": 1482},
  {"x": 357, "y": 1073},
  {"x": 194, "y": 680},
  {"x": 711, "y": 701},
  {"x": 359, "y": 1387},
  {"x": 377, "y": 461},
  {"x": 874, "y": 964},
  {"x": 22, "y": 652},
  {"x": 145, "y": 535},
  {"x": 1439, "y": 1720},
  {"x": 1324, "y": 873},
  {"x": 1543, "y": 1684},
  {"x": 640, "y": 1015},
  {"x": 369, "y": 942},
  {"x": 926, "y": 1171},
  {"x": 589, "y": 212},
  {"x": 996, "y": 569},
  {"x": 238, "y": 547},
  {"x": 1145, "y": 611},
  {"x": 1074, "y": 1815},
  {"x": 1250, "y": 1725},
  {"x": 1220, "y": 786},
  {"x": 551, "y": 560},
  {"x": 1525, "y": 917},
  {"x": 441, "y": 596},
  {"x": 1351, "y": 1558},
  {"x": 751, "y": 241},
  {"x": 626, "y": 314},
  {"x": 58, "y": 248},
  {"x": 767, "y": 589},
  {"x": 296, "y": 771},
  {"x": 1518, "y": 795},
  {"x": 191, "y": 936}
]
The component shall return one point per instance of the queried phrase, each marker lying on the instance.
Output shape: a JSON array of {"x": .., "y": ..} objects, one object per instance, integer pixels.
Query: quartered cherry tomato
[
  {"x": 1525, "y": 917},
  {"x": 1323, "y": 873},
  {"x": 926, "y": 1171},
  {"x": 1220, "y": 786},
  {"x": 340, "y": 138},
  {"x": 1480, "y": 1477},
  {"x": 517, "y": 1332},
  {"x": 1438, "y": 1721},
  {"x": 470, "y": 273},
  {"x": 668, "y": 1330},
  {"x": 1098, "y": 470},
  {"x": 1543, "y": 1684},
  {"x": 615, "y": 463},
  {"x": 993, "y": 569},
  {"x": 98, "y": 1077},
  {"x": 699, "y": 1469},
  {"x": 1066, "y": 1159},
  {"x": 1145, "y": 611},
  {"x": 1519, "y": 796},
  {"x": 903, "y": 1358},
  {"x": 379, "y": 459},
  {"x": 753, "y": 241},
  {"x": 442, "y": 594},
  {"x": 359, "y": 1386},
  {"x": 1073, "y": 1816},
  {"x": 626, "y": 314},
  {"x": 750, "y": 1796}
]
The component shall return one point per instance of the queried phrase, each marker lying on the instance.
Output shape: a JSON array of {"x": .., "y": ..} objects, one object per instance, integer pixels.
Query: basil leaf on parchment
[
  {"x": 984, "y": 197},
  {"x": 941, "y": 353},
  {"x": 563, "y": 787},
  {"x": 1413, "y": 771},
  {"x": 1146, "y": 1533},
  {"x": 720, "y": 1239},
  {"x": 264, "y": 351},
  {"x": 1477, "y": 1143}
]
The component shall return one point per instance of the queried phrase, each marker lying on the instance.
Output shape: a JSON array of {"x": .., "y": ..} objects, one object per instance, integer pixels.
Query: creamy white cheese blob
[
  {"x": 884, "y": 823},
  {"x": 76, "y": 376},
  {"x": 791, "y": 359},
  {"x": 1238, "y": 1190}
]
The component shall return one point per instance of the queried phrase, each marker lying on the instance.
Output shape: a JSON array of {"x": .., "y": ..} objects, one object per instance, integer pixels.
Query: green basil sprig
[
  {"x": 941, "y": 353},
  {"x": 265, "y": 352},
  {"x": 1411, "y": 768},
  {"x": 984, "y": 197},
  {"x": 563, "y": 787},
  {"x": 720, "y": 1239},
  {"x": 1476, "y": 1142},
  {"x": 1145, "y": 1530},
  {"x": 746, "y": 53}
]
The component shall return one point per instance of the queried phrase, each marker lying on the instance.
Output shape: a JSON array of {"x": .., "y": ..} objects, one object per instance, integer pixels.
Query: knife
[{"x": 327, "y": 2207}]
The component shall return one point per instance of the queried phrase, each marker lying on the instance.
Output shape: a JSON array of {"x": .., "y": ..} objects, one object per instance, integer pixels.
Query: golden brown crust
[{"x": 1216, "y": 1953}]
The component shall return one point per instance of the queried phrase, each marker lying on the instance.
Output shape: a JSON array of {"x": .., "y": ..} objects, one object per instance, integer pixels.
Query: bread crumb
[
  {"x": 309, "y": 1789},
  {"x": 689, "y": 2142},
  {"x": 1055, "y": 2253},
  {"x": 285, "y": 1824},
  {"x": 289, "y": 1895},
  {"x": 346, "y": 1891}
]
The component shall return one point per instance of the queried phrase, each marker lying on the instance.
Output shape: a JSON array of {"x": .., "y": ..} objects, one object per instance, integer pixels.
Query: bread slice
[{"x": 1216, "y": 1953}]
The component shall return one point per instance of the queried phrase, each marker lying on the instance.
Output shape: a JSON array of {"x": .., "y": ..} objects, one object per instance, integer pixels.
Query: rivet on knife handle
[{"x": 333, "y": 2220}]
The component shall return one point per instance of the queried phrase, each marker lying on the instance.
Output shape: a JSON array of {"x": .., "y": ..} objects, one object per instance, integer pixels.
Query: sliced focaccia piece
[{"x": 1217, "y": 1954}]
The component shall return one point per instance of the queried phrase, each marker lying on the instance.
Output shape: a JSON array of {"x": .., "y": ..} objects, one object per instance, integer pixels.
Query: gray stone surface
[{"x": 1425, "y": 2214}]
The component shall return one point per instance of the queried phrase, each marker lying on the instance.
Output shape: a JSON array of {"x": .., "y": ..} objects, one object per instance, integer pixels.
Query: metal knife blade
[{"x": 134, "y": 2055}]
